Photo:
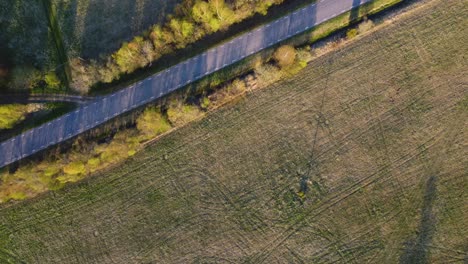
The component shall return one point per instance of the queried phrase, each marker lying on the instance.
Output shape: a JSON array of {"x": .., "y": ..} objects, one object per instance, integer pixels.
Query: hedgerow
[{"x": 193, "y": 21}]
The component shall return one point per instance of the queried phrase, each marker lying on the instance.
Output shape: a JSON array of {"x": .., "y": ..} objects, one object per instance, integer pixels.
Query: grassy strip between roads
[{"x": 360, "y": 158}]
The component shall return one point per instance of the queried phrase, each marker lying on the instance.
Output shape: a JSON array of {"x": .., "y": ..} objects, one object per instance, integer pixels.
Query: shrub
[
  {"x": 304, "y": 54},
  {"x": 205, "y": 103},
  {"x": 82, "y": 76},
  {"x": 51, "y": 170},
  {"x": 285, "y": 55},
  {"x": 351, "y": 33},
  {"x": 72, "y": 172},
  {"x": 93, "y": 164},
  {"x": 112, "y": 153},
  {"x": 267, "y": 74},
  {"x": 236, "y": 87},
  {"x": 17, "y": 195},
  {"x": 11, "y": 114},
  {"x": 52, "y": 80},
  {"x": 151, "y": 123},
  {"x": 74, "y": 168},
  {"x": 182, "y": 114},
  {"x": 365, "y": 25}
]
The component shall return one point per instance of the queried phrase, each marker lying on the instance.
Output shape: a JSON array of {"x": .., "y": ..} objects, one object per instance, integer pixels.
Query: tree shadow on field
[{"x": 416, "y": 250}]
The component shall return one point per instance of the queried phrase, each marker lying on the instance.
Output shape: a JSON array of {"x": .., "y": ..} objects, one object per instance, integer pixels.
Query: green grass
[
  {"x": 93, "y": 27},
  {"x": 11, "y": 114},
  {"x": 359, "y": 159}
]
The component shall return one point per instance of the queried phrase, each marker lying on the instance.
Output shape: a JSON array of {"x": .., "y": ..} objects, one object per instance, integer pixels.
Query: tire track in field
[
  {"x": 135, "y": 169},
  {"x": 363, "y": 232},
  {"x": 450, "y": 107},
  {"x": 440, "y": 131},
  {"x": 223, "y": 192},
  {"x": 314, "y": 212},
  {"x": 145, "y": 170}
]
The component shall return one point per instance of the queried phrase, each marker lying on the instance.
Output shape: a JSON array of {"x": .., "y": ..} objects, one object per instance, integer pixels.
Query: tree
[
  {"x": 182, "y": 30},
  {"x": 222, "y": 12},
  {"x": 162, "y": 39},
  {"x": 201, "y": 12},
  {"x": 109, "y": 71},
  {"x": 147, "y": 52}
]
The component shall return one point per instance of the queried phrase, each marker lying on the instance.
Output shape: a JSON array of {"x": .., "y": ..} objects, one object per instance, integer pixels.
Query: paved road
[{"x": 105, "y": 108}]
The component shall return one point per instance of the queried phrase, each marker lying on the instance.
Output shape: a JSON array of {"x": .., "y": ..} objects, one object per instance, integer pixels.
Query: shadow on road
[
  {"x": 416, "y": 250},
  {"x": 354, "y": 14}
]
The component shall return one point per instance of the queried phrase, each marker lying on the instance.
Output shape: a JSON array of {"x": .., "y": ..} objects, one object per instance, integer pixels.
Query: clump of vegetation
[
  {"x": 351, "y": 33},
  {"x": 151, "y": 123},
  {"x": 285, "y": 56},
  {"x": 12, "y": 114},
  {"x": 365, "y": 25},
  {"x": 224, "y": 94},
  {"x": 52, "y": 81},
  {"x": 180, "y": 114}
]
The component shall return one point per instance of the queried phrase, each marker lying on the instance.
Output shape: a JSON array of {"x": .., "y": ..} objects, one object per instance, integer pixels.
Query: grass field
[
  {"x": 361, "y": 158},
  {"x": 88, "y": 27},
  {"x": 94, "y": 27}
]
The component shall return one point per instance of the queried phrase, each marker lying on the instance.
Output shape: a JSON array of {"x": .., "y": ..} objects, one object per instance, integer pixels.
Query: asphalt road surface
[{"x": 107, "y": 107}]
